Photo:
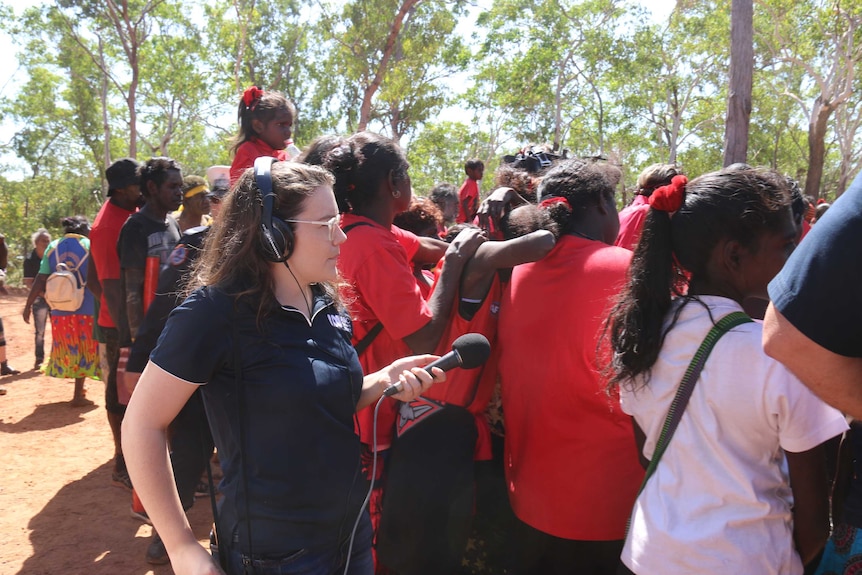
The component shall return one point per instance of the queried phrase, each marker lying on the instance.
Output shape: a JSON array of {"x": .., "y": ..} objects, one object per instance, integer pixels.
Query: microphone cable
[{"x": 370, "y": 487}]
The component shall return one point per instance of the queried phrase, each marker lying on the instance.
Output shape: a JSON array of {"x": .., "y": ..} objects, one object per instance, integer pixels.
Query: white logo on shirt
[{"x": 339, "y": 322}]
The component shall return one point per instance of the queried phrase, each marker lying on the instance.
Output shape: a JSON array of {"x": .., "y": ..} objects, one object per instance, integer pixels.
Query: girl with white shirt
[{"x": 742, "y": 487}]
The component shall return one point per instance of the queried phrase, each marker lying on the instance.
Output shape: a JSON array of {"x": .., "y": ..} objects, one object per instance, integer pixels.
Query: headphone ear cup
[
  {"x": 272, "y": 243},
  {"x": 284, "y": 233}
]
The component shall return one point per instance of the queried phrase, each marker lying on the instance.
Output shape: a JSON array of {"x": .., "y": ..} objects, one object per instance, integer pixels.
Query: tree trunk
[
  {"x": 739, "y": 94},
  {"x": 816, "y": 147},
  {"x": 388, "y": 49}
]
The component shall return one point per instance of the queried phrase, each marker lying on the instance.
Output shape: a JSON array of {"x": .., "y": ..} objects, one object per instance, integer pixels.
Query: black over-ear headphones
[{"x": 276, "y": 235}]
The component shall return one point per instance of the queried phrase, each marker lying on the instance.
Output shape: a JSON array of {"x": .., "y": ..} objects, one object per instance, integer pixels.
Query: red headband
[
  {"x": 251, "y": 97},
  {"x": 547, "y": 203},
  {"x": 669, "y": 198}
]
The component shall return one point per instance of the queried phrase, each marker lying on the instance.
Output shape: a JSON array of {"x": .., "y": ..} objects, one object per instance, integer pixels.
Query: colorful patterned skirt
[{"x": 75, "y": 352}]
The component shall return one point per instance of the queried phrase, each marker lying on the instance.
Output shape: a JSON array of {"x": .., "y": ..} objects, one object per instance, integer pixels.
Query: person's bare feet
[{"x": 81, "y": 402}]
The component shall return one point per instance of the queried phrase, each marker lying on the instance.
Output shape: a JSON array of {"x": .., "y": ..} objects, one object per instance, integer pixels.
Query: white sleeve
[{"x": 804, "y": 420}]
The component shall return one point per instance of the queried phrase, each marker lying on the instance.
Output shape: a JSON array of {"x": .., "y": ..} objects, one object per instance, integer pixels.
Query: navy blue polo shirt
[
  {"x": 300, "y": 386},
  {"x": 819, "y": 290}
]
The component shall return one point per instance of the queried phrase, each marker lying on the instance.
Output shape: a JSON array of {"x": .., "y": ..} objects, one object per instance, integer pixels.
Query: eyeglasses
[{"x": 331, "y": 223}]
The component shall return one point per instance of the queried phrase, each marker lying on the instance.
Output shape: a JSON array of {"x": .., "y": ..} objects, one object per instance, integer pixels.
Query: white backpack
[{"x": 65, "y": 288}]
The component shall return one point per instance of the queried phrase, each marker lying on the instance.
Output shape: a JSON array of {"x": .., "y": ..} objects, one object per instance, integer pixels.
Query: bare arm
[
  {"x": 430, "y": 251},
  {"x": 640, "y": 440},
  {"x": 93, "y": 283},
  {"x": 425, "y": 339},
  {"x": 836, "y": 379},
  {"x": 115, "y": 300},
  {"x": 495, "y": 205},
  {"x": 158, "y": 398},
  {"x": 36, "y": 290},
  {"x": 134, "y": 299},
  {"x": 810, "y": 485},
  {"x": 491, "y": 256}
]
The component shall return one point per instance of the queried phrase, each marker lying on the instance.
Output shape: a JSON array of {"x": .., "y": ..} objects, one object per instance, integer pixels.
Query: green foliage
[
  {"x": 438, "y": 152},
  {"x": 590, "y": 76}
]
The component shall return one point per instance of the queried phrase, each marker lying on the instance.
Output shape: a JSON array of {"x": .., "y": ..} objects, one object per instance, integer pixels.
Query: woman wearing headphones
[{"x": 264, "y": 334}]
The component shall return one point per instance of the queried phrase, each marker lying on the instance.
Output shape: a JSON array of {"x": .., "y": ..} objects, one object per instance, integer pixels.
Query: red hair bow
[
  {"x": 251, "y": 96},
  {"x": 547, "y": 203},
  {"x": 669, "y": 198}
]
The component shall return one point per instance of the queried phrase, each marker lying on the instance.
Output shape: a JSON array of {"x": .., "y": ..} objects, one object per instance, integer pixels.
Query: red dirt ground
[{"x": 59, "y": 513}]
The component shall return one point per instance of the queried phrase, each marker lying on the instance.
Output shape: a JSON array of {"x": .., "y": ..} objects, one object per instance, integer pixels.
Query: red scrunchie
[
  {"x": 547, "y": 203},
  {"x": 251, "y": 96},
  {"x": 669, "y": 198}
]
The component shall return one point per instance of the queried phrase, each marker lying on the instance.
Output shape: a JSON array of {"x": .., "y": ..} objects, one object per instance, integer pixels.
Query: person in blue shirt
[
  {"x": 265, "y": 338},
  {"x": 74, "y": 349}
]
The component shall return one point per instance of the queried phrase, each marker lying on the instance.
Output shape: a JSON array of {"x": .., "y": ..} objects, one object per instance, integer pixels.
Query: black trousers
[
  {"x": 538, "y": 553},
  {"x": 428, "y": 495},
  {"x": 191, "y": 446}
]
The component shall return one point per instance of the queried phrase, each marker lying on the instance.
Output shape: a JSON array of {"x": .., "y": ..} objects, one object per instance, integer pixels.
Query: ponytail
[
  {"x": 738, "y": 203},
  {"x": 636, "y": 323}
]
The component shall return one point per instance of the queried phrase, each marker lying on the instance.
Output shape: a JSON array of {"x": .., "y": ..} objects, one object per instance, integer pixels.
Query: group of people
[{"x": 296, "y": 321}]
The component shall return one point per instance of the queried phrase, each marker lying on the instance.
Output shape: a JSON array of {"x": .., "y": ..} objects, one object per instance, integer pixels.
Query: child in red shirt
[
  {"x": 265, "y": 122},
  {"x": 468, "y": 195}
]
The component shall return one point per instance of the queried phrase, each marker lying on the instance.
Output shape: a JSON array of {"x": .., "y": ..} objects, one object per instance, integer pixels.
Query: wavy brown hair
[{"x": 233, "y": 258}]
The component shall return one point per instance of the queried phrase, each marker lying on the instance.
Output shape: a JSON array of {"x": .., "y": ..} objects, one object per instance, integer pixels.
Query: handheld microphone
[{"x": 468, "y": 351}]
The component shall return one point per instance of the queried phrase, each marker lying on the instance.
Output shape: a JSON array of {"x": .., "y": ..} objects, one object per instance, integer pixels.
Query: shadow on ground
[
  {"x": 47, "y": 416},
  {"x": 86, "y": 529}
]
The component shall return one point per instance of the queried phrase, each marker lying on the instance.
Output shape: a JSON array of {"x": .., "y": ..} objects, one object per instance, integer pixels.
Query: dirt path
[{"x": 59, "y": 513}]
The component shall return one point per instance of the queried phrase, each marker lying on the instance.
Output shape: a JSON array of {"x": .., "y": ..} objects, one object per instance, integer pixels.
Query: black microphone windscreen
[{"x": 473, "y": 348}]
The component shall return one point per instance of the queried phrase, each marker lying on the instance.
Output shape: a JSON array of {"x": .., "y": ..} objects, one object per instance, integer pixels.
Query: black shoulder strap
[
  {"x": 363, "y": 343},
  {"x": 346, "y": 229}
]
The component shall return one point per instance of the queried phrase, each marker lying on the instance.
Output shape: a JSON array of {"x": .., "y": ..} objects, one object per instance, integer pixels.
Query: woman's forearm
[
  {"x": 158, "y": 398},
  {"x": 147, "y": 458}
]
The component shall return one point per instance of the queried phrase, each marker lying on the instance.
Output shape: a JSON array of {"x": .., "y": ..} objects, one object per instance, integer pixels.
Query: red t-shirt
[
  {"x": 408, "y": 240},
  {"x": 248, "y": 152},
  {"x": 473, "y": 388},
  {"x": 632, "y": 222},
  {"x": 571, "y": 464},
  {"x": 103, "y": 249},
  {"x": 470, "y": 192},
  {"x": 380, "y": 288}
]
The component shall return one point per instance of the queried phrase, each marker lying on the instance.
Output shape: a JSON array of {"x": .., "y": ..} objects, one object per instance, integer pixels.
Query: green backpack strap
[{"x": 686, "y": 386}]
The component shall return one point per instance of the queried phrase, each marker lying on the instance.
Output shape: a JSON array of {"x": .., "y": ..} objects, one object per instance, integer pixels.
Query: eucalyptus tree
[
  {"x": 387, "y": 60},
  {"x": 740, "y": 83},
  {"x": 139, "y": 62},
  {"x": 112, "y": 34},
  {"x": 821, "y": 38},
  {"x": 676, "y": 84},
  {"x": 57, "y": 109},
  {"x": 848, "y": 121},
  {"x": 437, "y": 153},
  {"x": 546, "y": 64},
  {"x": 274, "y": 45},
  {"x": 427, "y": 52}
]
